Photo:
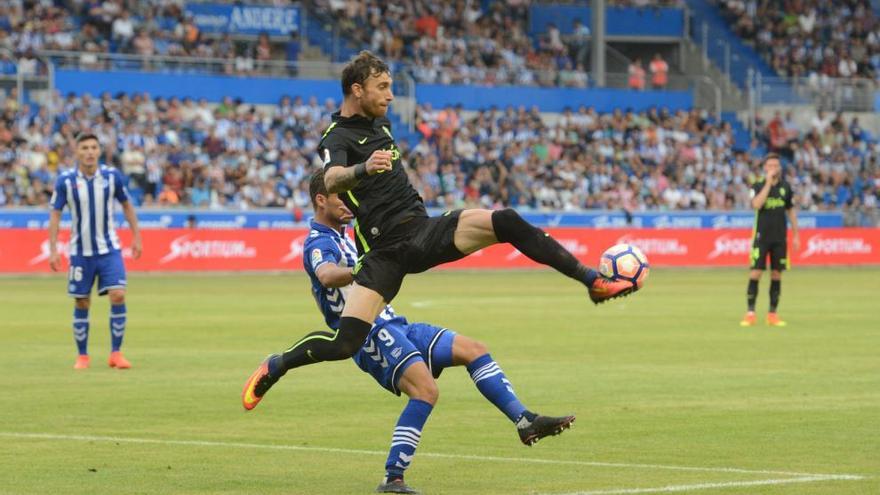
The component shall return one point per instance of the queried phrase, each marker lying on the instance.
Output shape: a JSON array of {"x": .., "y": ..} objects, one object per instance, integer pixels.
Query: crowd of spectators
[
  {"x": 460, "y": 43},
  {"x": 810, "y": 38},
  {"x": 234, "y": 155},
  {"x": 633, "y": 161},
  {"x": 174, "y": 152},
  {"x": 145, "y": 29}
]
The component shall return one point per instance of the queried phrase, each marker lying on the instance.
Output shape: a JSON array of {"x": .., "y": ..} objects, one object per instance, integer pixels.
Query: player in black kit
[
  {"x": 772, "y": 201},
  {"x": 393, "y": 232}
]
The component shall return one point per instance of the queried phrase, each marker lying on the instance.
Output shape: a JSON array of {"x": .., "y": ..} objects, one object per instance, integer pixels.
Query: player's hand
[
  {"x": 796, "y": 243},
  {"x": 136, "y": 247},
  {"x": 54, "y": 261},
  {"x": 773, "y": 177},
  {"x": 379, "y": 161}
]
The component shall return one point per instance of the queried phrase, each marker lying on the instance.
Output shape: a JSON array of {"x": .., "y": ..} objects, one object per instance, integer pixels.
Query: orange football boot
[
  {"x": 82, "y": 362},
  {"x": 774, "y": 321},
  {"x": 605, "y": 289},
  {"x": 258, "y": 384},
  {"x": 117, "y": 361},
  {"x": 749, "y": 320}
]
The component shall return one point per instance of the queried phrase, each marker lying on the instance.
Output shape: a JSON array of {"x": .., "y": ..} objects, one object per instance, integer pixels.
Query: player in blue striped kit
[
  {"x": 403, "y": 357},
  {"x": 90, "y": 191}
]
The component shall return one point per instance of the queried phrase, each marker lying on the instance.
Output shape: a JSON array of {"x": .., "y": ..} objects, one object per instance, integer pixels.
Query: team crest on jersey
[
  {"x": 316, "y": 258},
  {"x": 395, "y": 152}
]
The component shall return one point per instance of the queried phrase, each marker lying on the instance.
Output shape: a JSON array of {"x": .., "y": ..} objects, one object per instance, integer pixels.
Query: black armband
[{"x": 360, "y": 170}]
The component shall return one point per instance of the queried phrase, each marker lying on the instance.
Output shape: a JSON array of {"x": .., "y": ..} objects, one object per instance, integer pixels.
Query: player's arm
[
  {"x": 322, "y": 263},
  {"x": 59, "y": 199},
  {"x": 793, "y": 221},
  {"x": 760, "y": 197},
  {"x": 54, "y": 222},
  {"x": 340, "y": 178},
  {"x": 333, "y": 276},
  {"x": 131, "y": 218}
]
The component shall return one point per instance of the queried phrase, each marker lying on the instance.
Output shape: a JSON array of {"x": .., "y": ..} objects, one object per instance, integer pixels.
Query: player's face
[
  {"x": 772, "y": 168},
  {"x": 376, "y": 95},
  {"x": 337, "y": 210},
  {"x": 88, "y": 152}
]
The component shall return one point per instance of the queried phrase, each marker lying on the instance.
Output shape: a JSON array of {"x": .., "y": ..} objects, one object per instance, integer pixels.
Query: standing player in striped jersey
[{"x": 90, "y": 191}]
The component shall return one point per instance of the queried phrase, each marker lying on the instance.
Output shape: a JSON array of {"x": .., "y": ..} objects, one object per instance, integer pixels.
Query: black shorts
[
  {"x": 411, "y": 247},
  {"x": 777, "y": 250}
]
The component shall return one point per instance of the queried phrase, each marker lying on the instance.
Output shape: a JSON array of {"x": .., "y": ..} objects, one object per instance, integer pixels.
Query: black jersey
[
  {"x": 380, "y": 201},
  {"x": 770, "y": 221}
]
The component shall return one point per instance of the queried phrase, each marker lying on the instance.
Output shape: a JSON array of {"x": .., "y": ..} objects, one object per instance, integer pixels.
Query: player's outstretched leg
[
  {"x": 497, "y": 389},
  {"x": 481, "y": 228},
  {"x": 363, "y": 306},
  {"x": 313, "y": 348}
]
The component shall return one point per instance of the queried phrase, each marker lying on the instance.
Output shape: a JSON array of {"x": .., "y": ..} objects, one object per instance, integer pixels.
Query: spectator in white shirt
[{"x": 123, "y": 28}]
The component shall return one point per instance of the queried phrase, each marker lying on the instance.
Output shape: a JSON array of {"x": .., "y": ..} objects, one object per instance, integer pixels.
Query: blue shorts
[
  {"x": 395, "y": 346},
  {"x": 83, "y": 269}
]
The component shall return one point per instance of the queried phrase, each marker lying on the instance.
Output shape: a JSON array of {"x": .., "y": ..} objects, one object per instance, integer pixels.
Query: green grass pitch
[{"x": 672, "y": 396}]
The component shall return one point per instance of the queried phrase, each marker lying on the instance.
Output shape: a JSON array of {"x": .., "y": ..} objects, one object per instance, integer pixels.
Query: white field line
[
  {"x": 707, "y": 486},
  {"x": 525, "y": 460}
]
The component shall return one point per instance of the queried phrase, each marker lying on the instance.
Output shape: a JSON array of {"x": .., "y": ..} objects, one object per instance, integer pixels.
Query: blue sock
[
  {"x": 407, "y": 435},
  {"x": 492, "y": 383},
  {"x": 81, "y": 330},
  {"x": 117, "y": 325}
]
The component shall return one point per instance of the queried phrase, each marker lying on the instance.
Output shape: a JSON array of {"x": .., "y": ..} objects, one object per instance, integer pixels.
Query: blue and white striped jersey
[
  {"x": 325, "y": 245},
  {"x": 90, "y": 199}
]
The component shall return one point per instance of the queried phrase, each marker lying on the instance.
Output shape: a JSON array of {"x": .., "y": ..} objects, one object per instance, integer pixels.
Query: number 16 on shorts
[{"x": 107, "y": 268}]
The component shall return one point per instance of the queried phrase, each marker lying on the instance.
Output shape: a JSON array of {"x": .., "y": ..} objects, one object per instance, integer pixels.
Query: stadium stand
[
  {"x": 811, "y": 38},
  {"x": 235, "y": 155},
  {"x": 137, "y": 28},
  {"x": 446, "y": 43},
  {"x": 455, "y": 43}
]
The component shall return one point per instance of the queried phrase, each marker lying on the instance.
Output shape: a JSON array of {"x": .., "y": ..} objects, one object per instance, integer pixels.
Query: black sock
[
  {"x": 326, "y": 346},
  {"x": 538, "y": 246},
  {"x": 752, "y": 294},
  {"x": 775, "y": 290}
]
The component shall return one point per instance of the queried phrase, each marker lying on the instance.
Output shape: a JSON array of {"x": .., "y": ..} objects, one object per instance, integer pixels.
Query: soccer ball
[{"x": 624, "y": 262}]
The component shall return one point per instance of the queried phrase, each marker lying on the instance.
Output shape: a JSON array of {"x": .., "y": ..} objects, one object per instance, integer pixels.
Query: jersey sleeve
[
  {"x": 334, "y": 152},
  {"x": 121, "y": 192},
  {"x": 59, "y": 195},
  {"x": 756, "y": 188},
  {"x": 789, "y": 197},
  {"x": 318, "y": 251}
]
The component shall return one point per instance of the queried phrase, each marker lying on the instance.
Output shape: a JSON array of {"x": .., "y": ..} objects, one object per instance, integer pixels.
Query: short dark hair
[
  {"x": 317, "y": 186},
  {"x": 361, "y": 68},
  {"x": 85, "y": 136},
  {"x": 770, "y": 156}
]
